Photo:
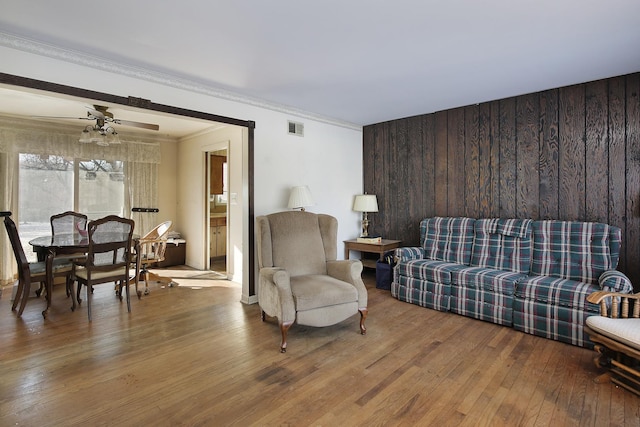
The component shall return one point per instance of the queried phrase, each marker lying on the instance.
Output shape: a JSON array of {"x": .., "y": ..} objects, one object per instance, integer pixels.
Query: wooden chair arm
[
  {"x": 617, "y": 299},
  {"x": 157, "y": 240},
  {"x": 156, "y": 247}
]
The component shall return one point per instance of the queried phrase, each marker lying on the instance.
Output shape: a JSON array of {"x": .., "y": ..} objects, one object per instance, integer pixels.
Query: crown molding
[{"x": 79, "y": 58}]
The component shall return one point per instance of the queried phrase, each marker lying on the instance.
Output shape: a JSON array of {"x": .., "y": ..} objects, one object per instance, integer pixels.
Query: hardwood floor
[{"x": 194, "y": 355}]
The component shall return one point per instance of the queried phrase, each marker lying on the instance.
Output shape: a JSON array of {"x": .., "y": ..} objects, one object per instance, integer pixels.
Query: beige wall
[
  {"x": 192, "y": 204},
  {"x": 167, "y": 184}
]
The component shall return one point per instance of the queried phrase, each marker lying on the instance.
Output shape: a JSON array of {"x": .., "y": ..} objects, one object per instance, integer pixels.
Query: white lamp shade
[
  {"x": 300, "y": 197},
  {"x": 85, "y": 137},
  {"x": 365, "y": 203}
]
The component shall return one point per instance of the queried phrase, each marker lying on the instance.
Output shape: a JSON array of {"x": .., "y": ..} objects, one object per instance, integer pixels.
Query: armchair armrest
[
  {"x": 350, "y": 271},
  {"x": 618, "y": 302},
  {"x": 615, "y": 281},
  {"x": 151, "y": 249},
  {"x": 408, "y": 253},
  {"x": 274, "y": 294}
]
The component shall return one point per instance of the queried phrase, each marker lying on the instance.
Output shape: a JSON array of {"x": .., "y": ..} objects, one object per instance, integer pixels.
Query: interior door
[{"x": 217, "y": 202}]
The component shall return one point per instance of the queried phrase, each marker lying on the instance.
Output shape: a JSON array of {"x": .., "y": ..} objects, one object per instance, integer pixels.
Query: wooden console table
[{"x": 374, "y": 248}]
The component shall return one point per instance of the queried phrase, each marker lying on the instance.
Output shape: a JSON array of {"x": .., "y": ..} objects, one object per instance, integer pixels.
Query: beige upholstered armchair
[{"x": 300, "y": 278}]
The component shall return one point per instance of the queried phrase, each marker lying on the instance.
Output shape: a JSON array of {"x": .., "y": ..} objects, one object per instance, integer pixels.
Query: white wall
[{"x": 328, "y": 158}]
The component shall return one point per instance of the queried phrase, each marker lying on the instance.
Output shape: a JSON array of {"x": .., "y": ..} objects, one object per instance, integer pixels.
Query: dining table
[{"x": 48, "y": 247}]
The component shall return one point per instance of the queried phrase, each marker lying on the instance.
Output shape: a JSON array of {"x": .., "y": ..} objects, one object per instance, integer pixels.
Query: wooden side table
[{"x": 374, "y": 248}]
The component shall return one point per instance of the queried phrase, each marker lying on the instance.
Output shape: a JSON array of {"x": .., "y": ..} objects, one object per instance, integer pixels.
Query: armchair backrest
[
  {"x": 153, "y": 245},
  {"x": 160, "y": 231},
  {"x": 300, "y": 242}
]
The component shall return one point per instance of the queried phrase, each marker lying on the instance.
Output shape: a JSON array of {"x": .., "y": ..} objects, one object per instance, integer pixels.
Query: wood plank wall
[{"x": 571, "y": 153}]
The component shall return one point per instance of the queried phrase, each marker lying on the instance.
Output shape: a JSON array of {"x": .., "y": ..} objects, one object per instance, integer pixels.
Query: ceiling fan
[
  {"x": 100, "y": 114},
  {"x": 102, "y": 133}
]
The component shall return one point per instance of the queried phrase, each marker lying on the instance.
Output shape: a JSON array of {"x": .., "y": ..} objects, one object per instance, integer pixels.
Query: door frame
[
  {"x": 248, "y": 262},
  {"x": 208, "y": 151}
]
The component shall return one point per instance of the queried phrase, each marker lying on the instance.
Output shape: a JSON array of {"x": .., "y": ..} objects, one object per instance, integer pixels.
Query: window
[
  {"x": 50, "y": 184},
  {"x": 100, "y": 188}
]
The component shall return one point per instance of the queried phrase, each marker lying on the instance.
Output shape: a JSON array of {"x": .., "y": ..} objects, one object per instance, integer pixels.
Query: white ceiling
[{"x": 357, "y": 61}]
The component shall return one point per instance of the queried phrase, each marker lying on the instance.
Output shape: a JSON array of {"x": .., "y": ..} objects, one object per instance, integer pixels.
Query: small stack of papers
[{"x": 369, "y": 239}]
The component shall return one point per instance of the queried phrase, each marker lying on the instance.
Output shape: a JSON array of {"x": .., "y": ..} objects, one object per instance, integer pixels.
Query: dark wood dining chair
[
  {"x": 30, "y": 272},
  {"x": 108, "y": 257},
  {"x": 67, "y": 223}
]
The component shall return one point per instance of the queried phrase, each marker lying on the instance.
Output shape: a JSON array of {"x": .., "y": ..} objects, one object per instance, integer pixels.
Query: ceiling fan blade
[
  {"x": 136, "y": 124},
  {"x": 101, "y": 115},
  {"x": 62, "y": 117},
  {"x": 95, "y": 113}
]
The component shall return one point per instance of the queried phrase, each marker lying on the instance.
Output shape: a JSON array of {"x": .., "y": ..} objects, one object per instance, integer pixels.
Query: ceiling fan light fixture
[
  {"x": 102, "y": 136},
  {"x": 95, "y": 135},
  {"x": 85, "y": 136},
  {"x": 111, "y": 136}
]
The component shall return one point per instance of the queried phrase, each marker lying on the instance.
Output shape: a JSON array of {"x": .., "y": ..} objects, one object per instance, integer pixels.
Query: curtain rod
[{"x": 145, "y": 210}]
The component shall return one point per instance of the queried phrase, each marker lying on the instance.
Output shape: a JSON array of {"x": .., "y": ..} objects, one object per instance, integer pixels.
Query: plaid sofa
[
  {"x": 570, "y": 260},
  {"x": 532, "y": 275}
]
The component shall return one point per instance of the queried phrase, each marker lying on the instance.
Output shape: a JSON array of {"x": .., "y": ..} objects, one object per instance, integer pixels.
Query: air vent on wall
[{"x": 296, "y": 128}]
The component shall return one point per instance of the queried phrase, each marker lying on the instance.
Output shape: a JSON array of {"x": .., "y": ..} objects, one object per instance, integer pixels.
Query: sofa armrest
[
  {"x": 408, "y": 253},
  {"x": 615, "y": 281},
  {"x": 350, "y": 271}
]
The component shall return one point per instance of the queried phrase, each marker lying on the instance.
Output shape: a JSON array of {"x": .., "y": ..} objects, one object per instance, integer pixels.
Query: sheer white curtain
[
  {"x": 7, "y": 263},
  {"x": 140, "y": 154},
  {"x": 141, "y": 192}
]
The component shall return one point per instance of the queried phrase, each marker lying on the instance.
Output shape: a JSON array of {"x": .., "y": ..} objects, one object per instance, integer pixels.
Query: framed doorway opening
[{"x": 247, "y": 227}]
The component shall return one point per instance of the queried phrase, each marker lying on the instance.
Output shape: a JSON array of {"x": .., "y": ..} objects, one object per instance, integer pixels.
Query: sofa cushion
[
  {"x": 554, "y": 291},
  {"x": 488, "y": 279},
  {"x": 554, "y": 322},
  {"x": 482, "y": 304},
  {"x": 579, "y": 251},
  {"x": 319, "y": 290},
  {"x": 421, "y": 292},
  {"x": 447, "y": 239},
  {"x": 503, "y": 244},
  {"x": 426, "y": 269},
  {"x": 623, "y": 330}
]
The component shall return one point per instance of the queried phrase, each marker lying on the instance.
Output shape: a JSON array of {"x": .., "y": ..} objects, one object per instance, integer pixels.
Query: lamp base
[{"x": 365, "y": 225}]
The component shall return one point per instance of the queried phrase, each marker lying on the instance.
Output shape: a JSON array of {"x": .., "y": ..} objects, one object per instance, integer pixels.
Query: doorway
[
  {"x": 245, "y": 261},
  {"x": 217, "y": 214}
]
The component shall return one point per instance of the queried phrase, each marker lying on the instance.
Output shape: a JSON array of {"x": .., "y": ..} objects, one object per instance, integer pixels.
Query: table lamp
[
  {"x": 300, "y": 197},
  {"x": 365, "y": 203}
]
